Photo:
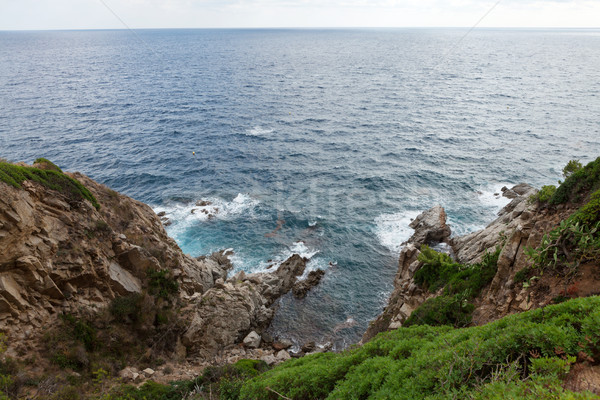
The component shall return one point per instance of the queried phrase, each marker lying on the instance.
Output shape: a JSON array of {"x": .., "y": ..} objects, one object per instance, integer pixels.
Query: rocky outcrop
[
  {"x": 301, "y": 288},
  {"x": 59, "y": 257},
  {"x": 520, "y": 224},
  {"x": 430, "y": 228},
  {"x": 226, "y": 313}
]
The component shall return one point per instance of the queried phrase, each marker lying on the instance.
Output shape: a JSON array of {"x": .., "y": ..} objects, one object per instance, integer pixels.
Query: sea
[{"x": 321, "y": 142}]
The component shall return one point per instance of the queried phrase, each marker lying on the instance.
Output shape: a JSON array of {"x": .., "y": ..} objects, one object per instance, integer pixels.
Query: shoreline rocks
[
  {"x": 430, "y": 228},
  {"x": 518, "y": 225}
]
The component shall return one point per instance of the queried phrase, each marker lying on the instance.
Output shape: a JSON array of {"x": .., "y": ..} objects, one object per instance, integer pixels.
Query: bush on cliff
[
  {"x": 461, "y": 284},
  {"x": 51, "y": 178},
  {"x": 574, "y": 241},
  {"x": 521, "y": 356},
  {"x": 580, "y": 182}
]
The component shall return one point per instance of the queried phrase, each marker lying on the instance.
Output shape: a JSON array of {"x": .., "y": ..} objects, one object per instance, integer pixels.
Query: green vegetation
[
  {"x": 544, "y": 195},
  {"x": 565, "y": 247},
  {"x": 81, "y": 331},
  {"x": 127, "y": 308},
  {"x": 577, "y": 239},
  {"x": 52, "y": 178},
  {"x": 225, "y": 382},
  {"x": 161, "y": 283},
  {"x": 571, "y": 167},
  {"x": 579, "y": 182},
  {"x": 47, "y": 164},
  {"x": 461, "y": 283},
  {"x": 521, "y": 356}
]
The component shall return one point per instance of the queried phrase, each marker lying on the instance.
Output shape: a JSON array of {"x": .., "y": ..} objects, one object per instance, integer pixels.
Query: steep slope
[{"x": 90, "y": 279}]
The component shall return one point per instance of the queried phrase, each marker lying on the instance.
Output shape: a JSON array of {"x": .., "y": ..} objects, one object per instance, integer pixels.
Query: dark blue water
[{"x": 340, "y": 135}]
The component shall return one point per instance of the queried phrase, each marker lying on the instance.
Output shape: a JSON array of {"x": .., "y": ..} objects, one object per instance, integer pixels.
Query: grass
[{"x": 53, "y": 178}]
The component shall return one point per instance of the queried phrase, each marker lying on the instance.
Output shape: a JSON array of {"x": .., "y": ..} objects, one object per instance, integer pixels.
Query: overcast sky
[{"x": 97, "y": 14}]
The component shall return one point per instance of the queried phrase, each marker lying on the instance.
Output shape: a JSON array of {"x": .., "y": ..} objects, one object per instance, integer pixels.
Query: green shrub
[
  {"x": 15, "y": 175},
  {"x": 578, "y": 183},
  {"x": 48, "y": 164},
  {"x": 544, "y": 195},
  {"x": 552, "y": 366},
  {"x": 589, "y": 214},
  {"x": 571, "y": 167},
  {"x": 127, "y": 308},
  {"x": 81, "y": 331},
  {"x": 461, "y": 284},
  {"x": 442, "y": 310},
  {"x": 566, "y": 246},
  {"x": 426, "y": 362},
  {"x": 437, "y": 269},
  {"x": 161, "y": 284}
]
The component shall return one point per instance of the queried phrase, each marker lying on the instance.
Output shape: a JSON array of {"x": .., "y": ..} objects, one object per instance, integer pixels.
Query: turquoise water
[{"x": 321, "y": 142}]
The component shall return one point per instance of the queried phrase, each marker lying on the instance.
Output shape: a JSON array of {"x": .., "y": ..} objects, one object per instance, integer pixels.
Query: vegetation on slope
[
  {"x": 51, "y": 177},
  {"x": 576, "y": 240},
  {"x": 460, "y": 283},
  {"x": 520, "y": 356}
]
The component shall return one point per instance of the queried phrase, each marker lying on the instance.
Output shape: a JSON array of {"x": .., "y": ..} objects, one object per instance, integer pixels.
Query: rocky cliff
[
  {"x": 520, "y": 225},
  {"x": 107, "y": 265}
]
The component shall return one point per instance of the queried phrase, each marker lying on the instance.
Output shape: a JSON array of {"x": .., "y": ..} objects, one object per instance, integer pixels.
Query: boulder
[
  {"x": 282, "y": 344},
  {"x": 430, "y": 226},
  {"x": 282, "y": 355},
  {"x": 122, "y": 281},
  {"x": 252, "y": 340}
]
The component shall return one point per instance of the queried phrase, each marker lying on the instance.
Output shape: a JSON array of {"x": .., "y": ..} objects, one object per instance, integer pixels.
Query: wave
[
  {"x": 181, "y": 215},
  {"x": 392, "y": 229},
  {"x": 491, "y": 196},
  {"x": 257, "y": 131}
]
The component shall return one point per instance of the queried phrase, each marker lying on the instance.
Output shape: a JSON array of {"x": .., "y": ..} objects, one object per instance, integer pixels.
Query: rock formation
[
  {"x": 519, "y": 225},
  {"x": 430, "y": 228},
  {"x": 227, "y": 312},
  {"x": 59, "y": 256}
]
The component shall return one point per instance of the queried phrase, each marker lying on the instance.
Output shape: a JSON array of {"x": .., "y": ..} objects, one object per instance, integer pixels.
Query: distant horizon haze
[{"x": 240, "y": 14}]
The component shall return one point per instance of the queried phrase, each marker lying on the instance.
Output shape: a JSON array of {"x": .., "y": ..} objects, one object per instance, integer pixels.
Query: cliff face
[
  {"x": 59, "y": 255},
  {"x": 520, "y": 225}
]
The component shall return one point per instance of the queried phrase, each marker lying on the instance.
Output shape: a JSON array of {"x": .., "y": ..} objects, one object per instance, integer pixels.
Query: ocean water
[{"x": 318, "y": 142}]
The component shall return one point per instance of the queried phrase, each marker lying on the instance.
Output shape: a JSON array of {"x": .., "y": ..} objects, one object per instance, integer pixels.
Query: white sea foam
[
  {"x": 258, "y": 131},
  {"x": 392, "y": 229},
  {"x": 491, "y": 196},
  {"x": 182, "y": 216}
]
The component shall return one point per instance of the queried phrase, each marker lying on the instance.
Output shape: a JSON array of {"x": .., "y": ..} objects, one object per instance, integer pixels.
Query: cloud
[{"x": 91, "y": 14}]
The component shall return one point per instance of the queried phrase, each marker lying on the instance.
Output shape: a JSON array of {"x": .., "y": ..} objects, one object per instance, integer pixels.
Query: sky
[{"x": 139, "y": 14}]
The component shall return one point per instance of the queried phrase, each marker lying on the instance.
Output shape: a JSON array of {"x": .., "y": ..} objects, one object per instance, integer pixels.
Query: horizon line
[{"x": 306, "y": 28}]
